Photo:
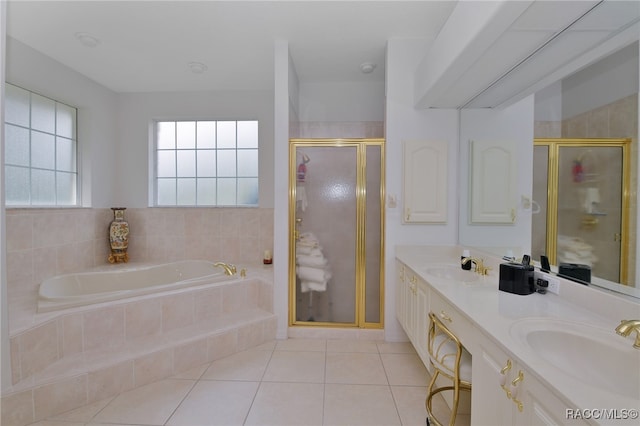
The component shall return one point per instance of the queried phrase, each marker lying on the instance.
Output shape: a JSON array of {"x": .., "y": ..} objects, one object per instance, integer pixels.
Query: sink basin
[
  {"x": 451, "y": 272},
  {"x": 594, "y": 356}
]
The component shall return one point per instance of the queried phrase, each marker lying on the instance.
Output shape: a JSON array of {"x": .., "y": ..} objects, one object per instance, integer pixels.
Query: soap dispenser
[{"x": 466, "y": 266}]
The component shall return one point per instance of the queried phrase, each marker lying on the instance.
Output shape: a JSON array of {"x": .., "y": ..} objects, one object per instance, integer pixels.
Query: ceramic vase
[{"x": 118, "y": 236}]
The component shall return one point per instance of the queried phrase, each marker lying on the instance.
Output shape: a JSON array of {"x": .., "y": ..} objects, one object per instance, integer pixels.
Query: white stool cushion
[{"x": 445, "y": 354}]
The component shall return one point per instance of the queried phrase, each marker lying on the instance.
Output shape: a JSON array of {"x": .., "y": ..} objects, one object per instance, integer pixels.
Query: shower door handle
[{"x": 408, "y": 214}]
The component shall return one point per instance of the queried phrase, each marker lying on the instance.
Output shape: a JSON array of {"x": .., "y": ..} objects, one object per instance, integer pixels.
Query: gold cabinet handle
[
  {"x": 514, "y": 390},
  {"x": 445, "y": 316},
  {"x": 503, "y": 379},
  {"x": 408, "y": 217},
  {"x": 402, "y": 274},
  {"x": 513, "y": 215}
]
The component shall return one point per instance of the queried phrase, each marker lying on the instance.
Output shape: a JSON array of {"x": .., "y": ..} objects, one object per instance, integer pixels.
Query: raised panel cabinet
[
  {"x": 493, "y": 179},
  {"x": 425, "y": 182}
]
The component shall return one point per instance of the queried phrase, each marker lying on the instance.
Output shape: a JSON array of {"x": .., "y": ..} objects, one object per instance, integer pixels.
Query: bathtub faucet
[{"x": 229, "y": 269}]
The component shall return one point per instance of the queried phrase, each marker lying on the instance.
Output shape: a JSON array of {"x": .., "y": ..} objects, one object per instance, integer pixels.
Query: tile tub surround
[
  {"x": 90, "y": 353},
  {"x": 43, "y": 243}
]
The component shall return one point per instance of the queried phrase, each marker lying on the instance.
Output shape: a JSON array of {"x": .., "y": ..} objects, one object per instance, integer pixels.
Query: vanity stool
[{"x": 449, "y": 359}]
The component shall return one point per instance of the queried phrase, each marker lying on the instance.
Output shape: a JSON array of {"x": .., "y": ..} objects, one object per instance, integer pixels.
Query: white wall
[
  {"x": 548, "y": 103},
  {"x": 344, "y": 101},
  {"x": 5, "y": 361},
  {"x": 284, "y": 77},
  {"x": 97, "y": 106},
  {"x": 514, "y": 123},
  {"x": 136, "y": 112},
  {"x": 602, "y": 83},
  {"x": 404, "y": 122}
]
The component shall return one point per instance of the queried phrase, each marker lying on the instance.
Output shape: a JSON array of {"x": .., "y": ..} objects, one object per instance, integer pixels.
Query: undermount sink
[
  {"x": 451, "y": 272},
  {"x": 594, "y": 356}
]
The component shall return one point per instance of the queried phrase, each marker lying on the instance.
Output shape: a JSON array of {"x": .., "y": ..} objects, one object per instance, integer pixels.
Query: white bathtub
[{"x": 87, "y": 288}]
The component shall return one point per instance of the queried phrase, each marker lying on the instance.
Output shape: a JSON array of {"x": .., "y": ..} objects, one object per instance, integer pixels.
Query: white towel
[
  {"x": 313, "y": 261},
  {"x": 306, "y": 286},
  {"x": 309, "y": 251},
  {"x": 306, "y": 273},
  {"x": 301, "y": 197}
]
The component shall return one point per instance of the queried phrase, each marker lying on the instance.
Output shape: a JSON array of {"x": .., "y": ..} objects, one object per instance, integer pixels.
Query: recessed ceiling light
[
  {"x": 197, "y": 67},
  {"x": 367, "y": 67},
  {"x": 87, "y": 39}
]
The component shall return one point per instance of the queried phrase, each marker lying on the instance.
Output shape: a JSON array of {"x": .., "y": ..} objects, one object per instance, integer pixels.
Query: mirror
[{"x": 599, "y": 101}]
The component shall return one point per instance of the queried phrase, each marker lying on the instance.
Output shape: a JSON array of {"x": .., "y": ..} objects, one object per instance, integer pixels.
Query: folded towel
[
  {"x": 307, "y": 273},
  {"x": 306, "y": 286},
  {"x": 309, "y": 251},
  {"x": 313, "y": 261},
  {"x": 310, "y": 244}
]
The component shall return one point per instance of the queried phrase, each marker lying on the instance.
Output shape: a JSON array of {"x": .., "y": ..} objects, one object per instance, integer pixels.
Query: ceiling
[{"x": 146, "y": 46}]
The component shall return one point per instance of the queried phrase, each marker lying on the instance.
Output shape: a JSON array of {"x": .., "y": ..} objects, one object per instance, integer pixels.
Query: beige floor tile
[
  {"x": 84, "y": 413},
  {"x": 359, "y": 405},
  {"x": 355, "y": 368},
  {"x": 267, "y": 346},
  {"x": 57, "y": 423},
  {"x": 192, "y": 374},
  {"x": 410, "y": 403},
  {"x": 287, "y": 404},
  {"x": 248, "y": 365},
  {"x": 295, "y": 366},
  {"x": 352, "y": 346},
  {"x": 396, "y": 348},
  {"x": 215, "y": 403},
  {"x": 305, "y": 345},
  {"x": 151, "y": 404},
  {"x": 405, "y": 369}
]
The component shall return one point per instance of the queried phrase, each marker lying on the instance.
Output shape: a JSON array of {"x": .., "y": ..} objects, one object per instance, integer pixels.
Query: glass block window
[
  {"x": 206, "y": 163},
  {"x": 40, "y": 150}
]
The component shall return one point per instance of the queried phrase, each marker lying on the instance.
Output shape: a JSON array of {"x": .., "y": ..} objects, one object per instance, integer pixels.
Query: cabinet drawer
[{"x": 453, "y": 320}]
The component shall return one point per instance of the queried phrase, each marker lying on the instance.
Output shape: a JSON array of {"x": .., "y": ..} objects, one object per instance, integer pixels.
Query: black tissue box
[
  {"x": 516, "y": 278},
  {"x": 575, "y": 270}
]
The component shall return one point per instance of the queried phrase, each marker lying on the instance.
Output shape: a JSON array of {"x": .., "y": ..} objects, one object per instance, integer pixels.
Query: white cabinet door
[
  {"x": 425, "y": 182},
  {"x": 490, "y": 404},
  {"x": 493, "y": 183},
  {"x": 422, "y": 321}
]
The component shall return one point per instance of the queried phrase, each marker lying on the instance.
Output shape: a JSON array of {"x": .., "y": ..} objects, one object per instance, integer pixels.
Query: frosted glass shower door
[
  {"x": 327, "y": 222},
  {"x": 336, "y": 219},
  {"x": 590, "y": 209}
]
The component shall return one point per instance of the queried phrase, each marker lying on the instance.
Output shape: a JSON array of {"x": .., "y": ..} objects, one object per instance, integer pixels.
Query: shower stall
[
  {"x": 336, "y": 230},
  {"x": 582, "y": 188}
]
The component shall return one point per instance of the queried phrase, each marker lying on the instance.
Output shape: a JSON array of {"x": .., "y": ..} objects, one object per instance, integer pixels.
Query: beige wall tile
[
  {"x": 143, "y": 318},
  {"x": 189, "y": 355},
  {"x": 72, "y": 335},
  {"x": 177, "y": 311},
  {"x": 250, "y": 335},
  {"x": 14, "y": 348},
  {"x": 598, "y": 123},
  {"x": 20, "y": 272},
  {"x": 19, "y": 232},
  {"x": 233, "y": 297},
  {"x": 59, "y": 397},
  {"x": 44, "y": 263},
  {"x": 109, "y": 381},
  {"x": 38, "y": 348},
  {"x": 222, "y": 345},
  {"x": 103, "y": 328},
  {"x": 208, "y": 303},
  {"x": 153, "y": 367},
  {"x": 17, "y": 409}
]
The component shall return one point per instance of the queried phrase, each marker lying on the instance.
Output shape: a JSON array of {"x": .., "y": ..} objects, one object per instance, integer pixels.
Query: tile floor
[{"x": 290, "y": 382}]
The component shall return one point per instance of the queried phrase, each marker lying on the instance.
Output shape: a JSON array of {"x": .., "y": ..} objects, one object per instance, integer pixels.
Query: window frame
[
  {"x": 75, "y": 140},
  {"x": 237, "y": 178}
]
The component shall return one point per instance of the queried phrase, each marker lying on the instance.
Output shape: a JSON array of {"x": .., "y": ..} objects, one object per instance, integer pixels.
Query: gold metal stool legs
[{"x": 449, "y": 360}]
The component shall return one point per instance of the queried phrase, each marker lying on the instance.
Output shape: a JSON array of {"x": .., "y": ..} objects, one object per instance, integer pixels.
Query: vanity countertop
[{"x": 495, "y": 312}]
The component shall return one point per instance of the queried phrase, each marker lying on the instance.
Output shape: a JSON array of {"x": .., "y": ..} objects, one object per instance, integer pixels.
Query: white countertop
[{"x": 494, "y": 312}]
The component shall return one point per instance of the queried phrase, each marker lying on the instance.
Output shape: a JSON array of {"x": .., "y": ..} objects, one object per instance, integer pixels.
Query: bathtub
[{"x": 86, "y": 288}]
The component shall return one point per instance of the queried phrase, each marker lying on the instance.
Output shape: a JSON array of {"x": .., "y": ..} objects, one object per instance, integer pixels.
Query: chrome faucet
[
  {"x": 479, "y": 265},
  {"x": 626, "y": 327},
  {"x": 229, "y": 269}
]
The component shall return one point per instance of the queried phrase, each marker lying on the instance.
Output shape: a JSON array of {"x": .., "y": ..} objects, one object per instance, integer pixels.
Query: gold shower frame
[
  {"x": 360, "y": 144},
  {"x": 554, "y": 145}
]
